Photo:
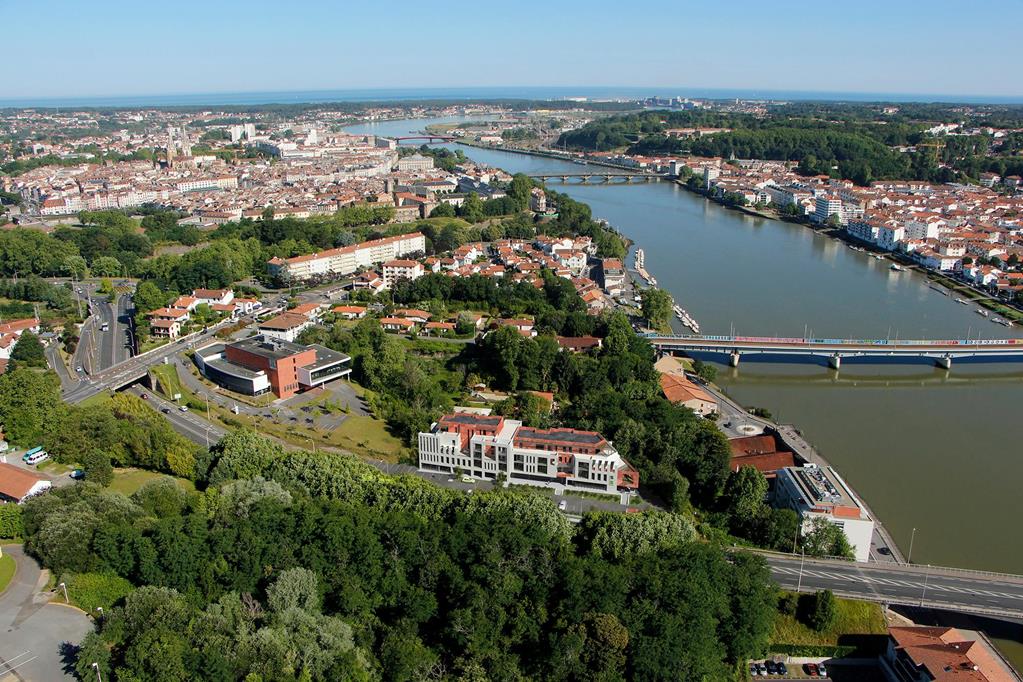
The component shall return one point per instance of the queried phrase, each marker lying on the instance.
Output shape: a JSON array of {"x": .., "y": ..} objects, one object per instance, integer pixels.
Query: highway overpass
[
  {"x": 941, "y": 352},
  {"x": 136, "y": 368},
  {"x": 952, "y": 589}
]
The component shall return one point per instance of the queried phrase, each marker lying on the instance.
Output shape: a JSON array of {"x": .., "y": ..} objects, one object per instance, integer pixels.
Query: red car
[{"x": 811, "y": 669}]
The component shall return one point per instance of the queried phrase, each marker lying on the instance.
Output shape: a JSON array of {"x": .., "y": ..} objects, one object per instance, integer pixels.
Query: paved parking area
[{"x": 37, "y": 638}]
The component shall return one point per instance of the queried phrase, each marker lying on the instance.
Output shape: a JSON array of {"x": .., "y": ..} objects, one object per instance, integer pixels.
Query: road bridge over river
[
  {"x": 952, "y": 589},
  {"x": 601, "y": 177},
  {"x": 941, "y": 351}
]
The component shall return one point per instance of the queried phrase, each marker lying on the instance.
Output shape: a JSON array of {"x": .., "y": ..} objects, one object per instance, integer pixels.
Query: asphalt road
[
  {"x": 134, "y": 367},
  {"x": 911, "y": 585},
  {"x": 188, "y": 424},
  {"x": 113, "y": 345},
  {"x": 34, "y": 644}
]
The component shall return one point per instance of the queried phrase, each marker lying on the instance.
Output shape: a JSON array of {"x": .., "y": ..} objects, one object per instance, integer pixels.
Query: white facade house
[{"x": 820, "y": 493}]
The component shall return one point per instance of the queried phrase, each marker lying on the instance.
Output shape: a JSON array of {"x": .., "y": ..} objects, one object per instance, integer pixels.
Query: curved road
[{"x": 33, "y": 646}]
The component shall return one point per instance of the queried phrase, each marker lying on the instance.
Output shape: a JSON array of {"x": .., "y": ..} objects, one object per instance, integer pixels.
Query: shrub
[
  {"x": 89, "y": 590},
  {"x": 10, "y": 521}
]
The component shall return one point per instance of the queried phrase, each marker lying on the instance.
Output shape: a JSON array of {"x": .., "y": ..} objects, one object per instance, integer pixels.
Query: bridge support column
[
  {"x": 944, "y": 362},
  {"x": 835, "y": 361},
  {"x": 733, "y": 358}
]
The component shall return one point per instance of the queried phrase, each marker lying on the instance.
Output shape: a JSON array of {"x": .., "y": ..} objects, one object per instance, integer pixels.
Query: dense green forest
[
  {"x": 855, "y": 142},
  {"x": 291, "y": 566}
]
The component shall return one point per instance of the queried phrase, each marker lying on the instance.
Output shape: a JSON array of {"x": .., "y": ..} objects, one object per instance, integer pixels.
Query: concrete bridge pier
[
  {"x": 945, "y": 361},
  {"x": 733, "y": 358},
  {"x": 835, "y": 361}
]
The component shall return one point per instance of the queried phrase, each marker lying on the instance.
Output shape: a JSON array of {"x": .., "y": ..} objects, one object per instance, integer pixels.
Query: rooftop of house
[{"x": 16, "y": 482}]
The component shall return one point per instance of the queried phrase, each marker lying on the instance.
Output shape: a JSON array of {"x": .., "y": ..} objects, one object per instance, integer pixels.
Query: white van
[{"x": 36, "y": 458}]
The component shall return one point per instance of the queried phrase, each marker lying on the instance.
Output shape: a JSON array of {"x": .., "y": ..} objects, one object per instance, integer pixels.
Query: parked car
[
  {"x": 811, "y": 669},
  {"x": 145, "y": 396},
  {"x": 563, "y": 505},
  {"x": 783, "y": 669},
  {"x": 822, "y": 670},
  {"x": 761, "y": 669},
  {"x": 771, "y": 667},
  {"x": 77, "y": 474},
  {"x": 752, "y": 669}
]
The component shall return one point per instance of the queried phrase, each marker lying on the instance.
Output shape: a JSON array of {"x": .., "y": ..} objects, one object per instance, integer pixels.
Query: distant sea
[{"x": 481, "y": 93}]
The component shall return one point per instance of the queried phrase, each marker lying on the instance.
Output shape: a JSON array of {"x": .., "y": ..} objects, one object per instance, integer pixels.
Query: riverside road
[{"x": 977, "y": 592}]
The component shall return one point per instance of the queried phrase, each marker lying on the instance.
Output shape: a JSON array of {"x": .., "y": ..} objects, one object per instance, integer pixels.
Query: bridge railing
[
  {"x": 910, "y": 568},
  {"x": 891, "y": 343}
]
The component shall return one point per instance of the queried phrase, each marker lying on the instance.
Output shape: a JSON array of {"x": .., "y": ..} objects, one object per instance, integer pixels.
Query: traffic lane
[
  {"x": 884, "y": 583},
  {"x": 32, "y": 647},
  {"x": 187, "y": 423}
]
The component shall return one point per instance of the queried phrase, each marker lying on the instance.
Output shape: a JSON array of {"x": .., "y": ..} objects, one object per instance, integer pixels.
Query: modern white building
[
  {"x": 820, "y": 493},
  {"x": 484, "y": 446}
]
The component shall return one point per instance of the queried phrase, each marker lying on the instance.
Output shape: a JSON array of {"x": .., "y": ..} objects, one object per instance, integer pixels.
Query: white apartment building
[
  {"x": 347, "y": 259},
  {"x": 397, "y": 270},
  {"x": 827, "y": 205},
  {"x": 483, "y": 446},
  {"x": 820, "y": 493}
]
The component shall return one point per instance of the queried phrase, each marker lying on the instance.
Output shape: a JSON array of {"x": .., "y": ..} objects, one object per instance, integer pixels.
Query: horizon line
[{"x": 413, "y": 93}]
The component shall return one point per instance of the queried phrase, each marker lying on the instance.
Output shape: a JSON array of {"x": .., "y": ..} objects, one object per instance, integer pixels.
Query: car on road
[
  {"x": 145, "y": 396},
  {"x": 183, "y": 408},
  {"x": 166, "y": 410},
  {"x": 77, "y": 474},
  {"x": 563, "y": 505}
]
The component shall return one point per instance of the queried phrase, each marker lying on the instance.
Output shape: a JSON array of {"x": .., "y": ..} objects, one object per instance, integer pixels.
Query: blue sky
[{"x": 61, "y": 48}]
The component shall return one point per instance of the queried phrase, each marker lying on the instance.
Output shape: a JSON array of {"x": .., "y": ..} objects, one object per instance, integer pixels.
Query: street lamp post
[
  {"x": 95, "y": 666},
  {"x": 799, "y": 583},
  {"x": 923, "y": 595},
  {"x": 909, "y": 557}
]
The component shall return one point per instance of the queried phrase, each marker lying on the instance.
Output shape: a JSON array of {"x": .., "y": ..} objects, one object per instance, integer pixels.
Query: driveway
[{"x": 35, "y": 634}]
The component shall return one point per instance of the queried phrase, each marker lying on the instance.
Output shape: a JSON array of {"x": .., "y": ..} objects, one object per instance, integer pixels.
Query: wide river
[{"x": 928, "y": 449}]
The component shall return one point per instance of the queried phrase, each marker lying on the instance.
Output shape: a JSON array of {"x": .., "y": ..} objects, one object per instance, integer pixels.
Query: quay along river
[{"x": 930, "y": 449}]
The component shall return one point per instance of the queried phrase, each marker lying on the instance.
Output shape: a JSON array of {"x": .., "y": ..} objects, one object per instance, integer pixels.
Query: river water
[{"x": 928, "y": 449}]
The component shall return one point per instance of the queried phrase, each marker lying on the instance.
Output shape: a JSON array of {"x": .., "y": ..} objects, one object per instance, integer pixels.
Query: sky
[{"x": 70, "y": 48}]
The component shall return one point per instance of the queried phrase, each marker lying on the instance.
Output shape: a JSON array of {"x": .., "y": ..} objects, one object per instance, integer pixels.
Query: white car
[
  {"x": 563, "y": 505},
  {"x": 183, "y": 408}
]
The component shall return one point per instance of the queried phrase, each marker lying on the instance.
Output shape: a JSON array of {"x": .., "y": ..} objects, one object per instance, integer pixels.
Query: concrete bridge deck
[
  {"x": 941, "y": 351},
  {"x": 952, "y": 589},
  {"x": 601, "y": 177}
]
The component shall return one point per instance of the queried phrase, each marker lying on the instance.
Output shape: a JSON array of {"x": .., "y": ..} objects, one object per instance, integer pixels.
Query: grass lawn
[
  {"x": 854, "y": 617},
  {"x": 53, "y": 468},
  {"x": 369, "y": 436},
  {"x": 127, "y": 481},
  {"x": 98, "y": 399},
  {"x": 7, "y": 567},
  {"x": 167, "y": 380},
  {"x": 150, "y": 344}
]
